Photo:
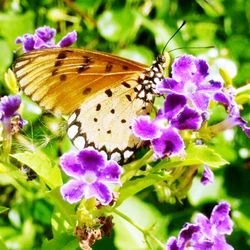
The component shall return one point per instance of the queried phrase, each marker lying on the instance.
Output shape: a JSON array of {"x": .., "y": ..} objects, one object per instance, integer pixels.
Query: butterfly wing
[
  {"x": 98, "y": 89},
  {"x": 108, "y": 126},
  {"x": 62, "y": 79}
]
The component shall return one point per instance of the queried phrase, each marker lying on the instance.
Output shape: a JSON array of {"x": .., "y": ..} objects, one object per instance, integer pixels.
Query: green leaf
[
  {"x": 204, "y": 155},
  {"x": 132, "y": 187},
  {"x": 2, "y": 245},
  {"x": 30, "y": 110},
  {"x": 212, "y": 8},
  {"x": 137, "y": 53},
  {"x": 63, "y": 213},
  {"x": 3, "y": 209},
  {"x": 6, "y": 57},
  {"x": 13, "y": 25},
  {"x": 151, "y": 219},
  {"x": 160, "y": 31},
  {"x": 200, "y": 194},
  {"x": 240, "y": 215},
  {"x": 11, "y": 82},
  {"x": 62, "y": 242},
  {"x": 116, "y": 25},
  {"x": 42, "y": 165}
]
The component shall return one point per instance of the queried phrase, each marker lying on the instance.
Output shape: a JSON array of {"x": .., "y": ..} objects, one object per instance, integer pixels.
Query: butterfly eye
[{"x": 161, "y": 59}]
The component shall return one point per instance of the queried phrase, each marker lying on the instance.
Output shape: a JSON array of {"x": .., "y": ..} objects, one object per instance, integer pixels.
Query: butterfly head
[
  {"x": 163, "y": 60},
  {"x": 153, "y": 76}
]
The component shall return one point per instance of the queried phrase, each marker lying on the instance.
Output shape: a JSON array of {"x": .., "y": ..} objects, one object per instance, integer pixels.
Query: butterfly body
[{"x": 102, "y": 94}]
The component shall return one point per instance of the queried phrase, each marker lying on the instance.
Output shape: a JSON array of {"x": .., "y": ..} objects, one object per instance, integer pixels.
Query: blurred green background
[{"x": 137, "y": 30}]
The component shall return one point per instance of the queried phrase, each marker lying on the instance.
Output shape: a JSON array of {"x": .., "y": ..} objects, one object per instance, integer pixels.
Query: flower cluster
[
  {"x": 92, "y": 174},
  {"x": 186, "y": 107},
  {"x": 9, "y": 117},
  {"x": 205, "y": 233},
  {"x": 44, "y": 37}
]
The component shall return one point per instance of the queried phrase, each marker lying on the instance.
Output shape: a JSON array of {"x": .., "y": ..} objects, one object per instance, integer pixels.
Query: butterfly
[{"x": 102, "y": 94}]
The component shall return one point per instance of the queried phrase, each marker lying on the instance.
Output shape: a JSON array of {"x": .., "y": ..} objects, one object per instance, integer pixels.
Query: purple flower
[
  {"x": 168, "y": 144},
  {"x": 227, "y": 98},
  {"x": 68, "y": 40},
  {"x": 45, "y": 33},
  {"x": 91, "y": 173},
  {"x": 11, "y": 120},
  {"x": 189, "y": 79},
  {"x": 205, "y": 234},
  {"x": 28, "y": 42},
  {"x": 44, "y": 37},
  {"x": 9, "y": 106},
  {"x": 162, "y": 132},
  {"x": 165, "y": 140},
  {"x": 207, "y": 176}
]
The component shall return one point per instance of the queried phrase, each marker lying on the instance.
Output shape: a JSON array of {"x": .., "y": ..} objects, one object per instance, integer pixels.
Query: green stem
[
  {"x": 131, "y": 169},
  {"x": 243, "y": 89},
  {"x": 145, "y": 233}
]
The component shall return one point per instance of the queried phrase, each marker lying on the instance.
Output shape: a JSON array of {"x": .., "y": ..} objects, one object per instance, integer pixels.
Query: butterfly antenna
[
  {"x": 205, "y": 47},
  {"x": 184, "y": 22}
]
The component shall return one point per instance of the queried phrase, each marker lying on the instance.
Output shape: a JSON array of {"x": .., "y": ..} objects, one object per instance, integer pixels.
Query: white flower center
[
  {"x": 190, "y": 87},
  {"x": 90, "y": 177},
  {"x": 163, "y": 123}
]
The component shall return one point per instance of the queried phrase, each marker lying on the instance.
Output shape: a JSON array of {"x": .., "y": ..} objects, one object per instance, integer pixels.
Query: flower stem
[
  {"x": 131, "y": 169},
  {"x": 145, "y": 233},
  {"x": 243, "y": 89}
]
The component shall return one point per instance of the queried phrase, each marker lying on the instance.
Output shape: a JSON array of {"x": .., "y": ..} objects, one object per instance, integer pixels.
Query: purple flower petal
[
  {"x": 186, "y": 234},
  {"x": 187, "y": 119},
  {"x": 206, "y": 234},
  {"x": 200, "y": 100},
  {"x": 73, "y": 191},
  {"x": 202, "y": 70},
  {"x": 205, "y": 226},
  {"x": 101, "y": 192},
  {"x": 28, "y": 42},
  {"x": 44, "y": 38},
  {"x": 91, "y": 172},
  {"x": 172, "y": 244},
  {"x": 90, "y": 159},
  {"x": 9, "y": 105},
  {"x": 145, "y": 129},
  {"x": 210, "y": 86},
  {"x": 222, "y": 98},
  {"x": 71, "y": 166},
  {"x": 221, "y": 244},
  {"x": 173, "y": 104},
  {"x": 45, "y": 33},
  {"x": 40, "y": 44},
  {"x": 207, "y": 176},
  {"x": 68, "y": 40},
  {"x": 111, "y": 173},
  {"x": 19, "y": 39},
  {"x": 184, "y": 68},
  {"x": 220, "y": 217},
  {"x": 168, "y": 144},
  {"x": 169, "y": 85}
]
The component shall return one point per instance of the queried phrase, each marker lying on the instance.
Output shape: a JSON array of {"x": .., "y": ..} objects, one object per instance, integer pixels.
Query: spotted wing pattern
[{"x": 108, "y": 126}]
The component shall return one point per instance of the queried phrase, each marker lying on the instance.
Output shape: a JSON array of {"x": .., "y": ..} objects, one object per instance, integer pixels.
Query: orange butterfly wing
[{"x": 62, "y": 79}]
